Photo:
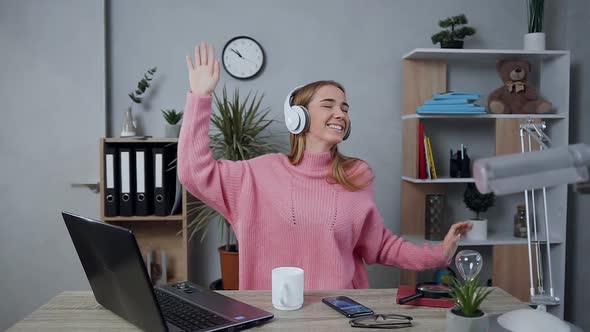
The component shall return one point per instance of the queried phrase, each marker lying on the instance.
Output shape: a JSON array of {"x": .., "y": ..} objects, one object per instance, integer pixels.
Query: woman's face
[{"x": 328, "y": 111}]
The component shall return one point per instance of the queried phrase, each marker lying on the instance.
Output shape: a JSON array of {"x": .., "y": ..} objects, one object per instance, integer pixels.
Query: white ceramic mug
[{"x": 287, "y": 288}]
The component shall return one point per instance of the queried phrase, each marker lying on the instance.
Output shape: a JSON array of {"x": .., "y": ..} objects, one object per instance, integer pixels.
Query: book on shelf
[
  {"x": 431, "y": 159},
  {"x": 449, "y": 101},
  {"x": 453, "y": 95},
  {"x": 421, "y": 153},
  {"x": 452, "y": 103},
  {"x": 428, "y": 172},
  {"x": 467, "y": 108},
  {"x": 426, "y": 164}
]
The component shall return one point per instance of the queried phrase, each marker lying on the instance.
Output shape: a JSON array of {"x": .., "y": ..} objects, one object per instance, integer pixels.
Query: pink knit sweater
[{"x": 285, "y": 215}]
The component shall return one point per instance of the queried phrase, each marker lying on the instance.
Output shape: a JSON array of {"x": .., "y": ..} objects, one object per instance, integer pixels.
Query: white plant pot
[
  {"x": 479, "y": 230},
  {"x": 534, "y": 41},
  {"x": 172, "y": 131},
  {"x": 456, "y": 323}
]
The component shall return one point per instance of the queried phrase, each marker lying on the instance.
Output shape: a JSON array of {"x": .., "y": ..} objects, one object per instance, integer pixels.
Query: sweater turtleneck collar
[{"x": 316, "y": 163}]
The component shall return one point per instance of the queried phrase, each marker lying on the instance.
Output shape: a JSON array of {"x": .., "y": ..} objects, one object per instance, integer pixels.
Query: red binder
[{"x": 421, "y": 154}]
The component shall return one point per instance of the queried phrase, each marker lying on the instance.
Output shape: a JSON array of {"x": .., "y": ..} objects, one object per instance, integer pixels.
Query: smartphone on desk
[{"x": 347, "y": 306}]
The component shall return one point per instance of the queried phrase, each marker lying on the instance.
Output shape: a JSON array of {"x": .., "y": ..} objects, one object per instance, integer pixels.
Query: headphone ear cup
[
  {"x": 292, "y": 119},
  {"x": 306, "y": 119},
  {"x": 302, "y": 115},
  {"x": 348, "y": 129}
]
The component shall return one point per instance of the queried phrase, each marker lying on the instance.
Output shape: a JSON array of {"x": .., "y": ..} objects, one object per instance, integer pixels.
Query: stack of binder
[
  {"x": 140, "y": 181},
  {"x": 452, "y": 103}
]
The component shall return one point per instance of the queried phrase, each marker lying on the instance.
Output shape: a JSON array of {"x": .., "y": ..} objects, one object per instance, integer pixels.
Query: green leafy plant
[
  {"x": 476, "y": 201},
  {"x": 142, "y": 86},
  {"x": 536, "y": 10},
  {"x": 468, "y": 296},
  {"x": 240, "y": 135},
  {"x": 455, "y": 33},
  {"x": 172, "y": 116}
]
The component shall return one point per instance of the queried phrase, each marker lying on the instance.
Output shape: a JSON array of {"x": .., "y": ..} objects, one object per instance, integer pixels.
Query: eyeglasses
[{"x": 380, "y": 321}]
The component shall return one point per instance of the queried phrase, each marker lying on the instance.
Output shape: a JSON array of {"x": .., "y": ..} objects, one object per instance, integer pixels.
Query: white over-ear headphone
[{"x": 297, "y": 117}]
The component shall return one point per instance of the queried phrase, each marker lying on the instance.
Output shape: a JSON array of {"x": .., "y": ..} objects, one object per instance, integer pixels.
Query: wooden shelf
[
  {"x": 439, "y": 180},
  {"x": 478, "y": 55},
  {"x": 140, "y": 140},
  {"x": 492, "y": 240},
  {"x": 427, "y": 71},
  {"x": 153, "y": 233},
  {"x": 145, "y": 218},
  {"x": 484, "y": 116}
]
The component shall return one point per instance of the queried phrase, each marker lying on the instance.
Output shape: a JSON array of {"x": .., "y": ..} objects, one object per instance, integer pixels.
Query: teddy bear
[{"x": 516, "y": 96}]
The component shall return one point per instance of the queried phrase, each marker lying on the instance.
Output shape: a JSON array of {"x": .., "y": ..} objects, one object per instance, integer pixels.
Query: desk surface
[{"x": 78, "y": 311}]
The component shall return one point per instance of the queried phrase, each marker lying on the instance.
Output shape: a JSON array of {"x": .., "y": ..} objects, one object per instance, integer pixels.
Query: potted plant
[
  {"x": 466, "y": 316},
  {"x": 478, "y": 203},
  {"x": 452, "y": 38},
  {"x": 534, "y": 40},
  {"x": 172, "y": 118},
  {"x": 129, "y": 127},
  {"x": 239, "y": 134}
]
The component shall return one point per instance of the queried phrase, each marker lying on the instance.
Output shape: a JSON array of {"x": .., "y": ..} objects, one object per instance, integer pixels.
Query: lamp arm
[{"x": 536, "y": 131}]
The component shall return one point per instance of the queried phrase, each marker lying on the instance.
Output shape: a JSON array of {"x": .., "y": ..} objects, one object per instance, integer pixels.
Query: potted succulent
[
  {"x": 534, "y": 40},
  {"x": 129, "y": 127},
  {"x": 172, "y": 118},
  {"x": 478, "y": 203},
  {"x": 240, "y": 125},
  {"x": 453, "y": 37},
  {"x": 466, "y": 315}
]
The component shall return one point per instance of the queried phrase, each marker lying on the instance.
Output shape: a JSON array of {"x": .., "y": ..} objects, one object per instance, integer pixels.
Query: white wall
[
  {"x": 359, "y": 43},
  {"x": 52, "y": 99}
]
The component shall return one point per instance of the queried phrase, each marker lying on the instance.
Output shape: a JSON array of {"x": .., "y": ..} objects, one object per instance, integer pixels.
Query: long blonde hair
[{"x": 342, "y": 166}]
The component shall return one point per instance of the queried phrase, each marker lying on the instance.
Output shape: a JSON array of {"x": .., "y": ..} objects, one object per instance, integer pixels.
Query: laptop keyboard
[{"x": 186, "y": 316}]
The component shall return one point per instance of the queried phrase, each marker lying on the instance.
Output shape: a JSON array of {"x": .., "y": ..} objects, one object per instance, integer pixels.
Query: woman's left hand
[{"x": 451, "y": 241}]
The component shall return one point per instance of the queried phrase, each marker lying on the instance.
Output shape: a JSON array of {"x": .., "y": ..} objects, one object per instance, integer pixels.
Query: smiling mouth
[{"x": 338, "y": 128}]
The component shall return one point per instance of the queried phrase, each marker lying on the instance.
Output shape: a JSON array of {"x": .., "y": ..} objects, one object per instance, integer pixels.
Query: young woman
[{"x": 313, "y": 209}]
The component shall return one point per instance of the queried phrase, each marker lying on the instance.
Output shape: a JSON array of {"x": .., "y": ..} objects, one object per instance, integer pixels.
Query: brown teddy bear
[{"x": 516, "y": 95}]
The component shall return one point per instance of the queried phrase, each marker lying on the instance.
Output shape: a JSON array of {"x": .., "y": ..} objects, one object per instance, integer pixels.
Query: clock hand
[{"x": 238, "y": 53}]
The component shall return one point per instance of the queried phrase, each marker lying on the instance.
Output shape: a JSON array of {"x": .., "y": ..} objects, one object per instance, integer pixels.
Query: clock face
[{"x": 243, "y": 57}]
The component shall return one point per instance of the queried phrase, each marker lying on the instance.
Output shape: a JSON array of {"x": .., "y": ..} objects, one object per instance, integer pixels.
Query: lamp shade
[{"x": 531, "y": 170}]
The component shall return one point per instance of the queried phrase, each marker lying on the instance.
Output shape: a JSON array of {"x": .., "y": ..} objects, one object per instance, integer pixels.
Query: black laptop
[{"x": 118, "y": 277}]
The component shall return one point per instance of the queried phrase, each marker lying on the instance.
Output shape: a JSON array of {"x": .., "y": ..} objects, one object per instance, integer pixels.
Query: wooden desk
[{"x": 78, "y": 311}]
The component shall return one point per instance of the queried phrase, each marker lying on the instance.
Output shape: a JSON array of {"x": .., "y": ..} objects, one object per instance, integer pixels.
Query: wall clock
[{"x": 243, "y": 57}]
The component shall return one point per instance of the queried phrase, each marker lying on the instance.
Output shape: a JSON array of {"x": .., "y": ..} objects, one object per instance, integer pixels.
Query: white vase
[
  {"x": 456, "y": 323},
  {"x": 534, "y": 41},
  {"x": 172, "y": 131},
  {"x": 479, "y": 231},
  {"x": 129, "y": 127}
]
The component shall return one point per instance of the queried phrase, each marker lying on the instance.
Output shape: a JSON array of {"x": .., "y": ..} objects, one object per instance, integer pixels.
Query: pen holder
[
  {"x": 454, "y": 167},
  {"x": 465, "y": 169},
  {"x": 460, "y": 168}
]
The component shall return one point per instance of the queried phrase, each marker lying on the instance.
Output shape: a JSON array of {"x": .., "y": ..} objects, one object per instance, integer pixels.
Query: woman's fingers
[
  {"x": 211, "y": 56},
  {"x": 461, "y": 227},
  {"x": 189, "y": 63},
  {"x": 197, "y": 55},
  {"x": 204, "y": 58}
]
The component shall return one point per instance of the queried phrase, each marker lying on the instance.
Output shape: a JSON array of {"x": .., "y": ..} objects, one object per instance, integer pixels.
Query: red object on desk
[{"x": 404, "y": 291}]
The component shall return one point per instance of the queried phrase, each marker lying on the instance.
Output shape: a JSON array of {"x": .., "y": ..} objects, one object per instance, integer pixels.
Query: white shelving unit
[
  {"x": 493, "y": 239},
  {"x": 428, "y": 71}
]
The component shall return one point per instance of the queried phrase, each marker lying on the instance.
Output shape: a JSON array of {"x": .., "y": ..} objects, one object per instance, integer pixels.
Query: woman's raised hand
[
  {"x": 451, "y": 240},
  {"x": 203, "y": 73}
]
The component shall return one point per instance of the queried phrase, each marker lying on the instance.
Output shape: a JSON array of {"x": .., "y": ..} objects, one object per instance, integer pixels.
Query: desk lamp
[{"x": 529, "y": 171}]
